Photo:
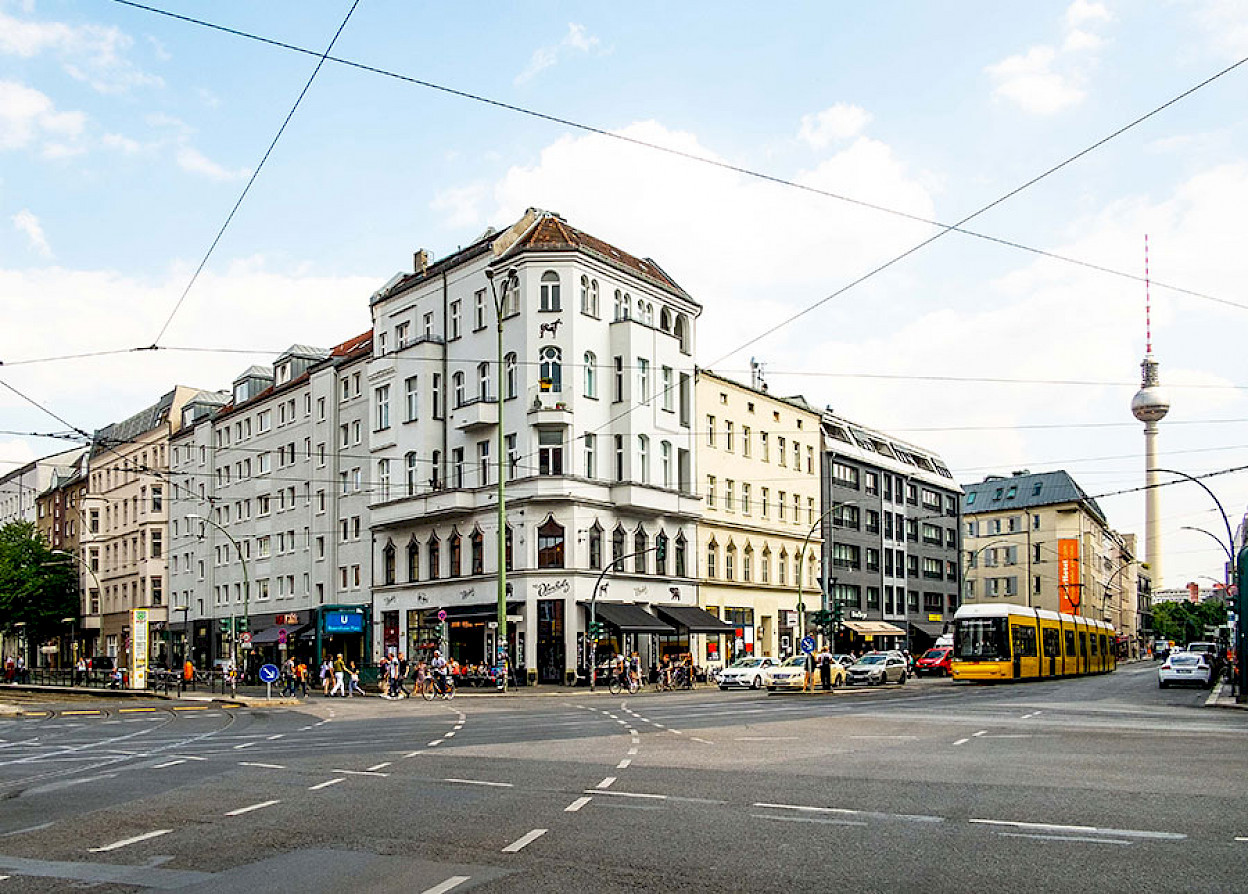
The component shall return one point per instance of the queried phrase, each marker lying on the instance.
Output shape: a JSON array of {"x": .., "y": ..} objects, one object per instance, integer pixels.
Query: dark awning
[
  {"x": 265, "y": 637},
  {"x": 693, "y": 619},
  {"x": 629, "y": 618},
  {"x": 487, "y": 611}
]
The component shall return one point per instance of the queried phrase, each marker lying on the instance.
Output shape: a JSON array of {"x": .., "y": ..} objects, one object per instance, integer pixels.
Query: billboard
[{"x": 1069, "y": 579}]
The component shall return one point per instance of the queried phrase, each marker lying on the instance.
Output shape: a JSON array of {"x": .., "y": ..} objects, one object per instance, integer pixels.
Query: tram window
[
  {"x": 981, "y": 639},
  {"x": 1083, "y": 644},
  {"x": 1052, "y": 643},
  {"x": 1024, "y": 642},
  {"x": 1094, "y": 639},
  {"x": 1070, "y": 643}
]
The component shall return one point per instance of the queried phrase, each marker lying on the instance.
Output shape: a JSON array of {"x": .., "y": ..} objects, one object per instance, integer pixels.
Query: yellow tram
[{"x": 1013, "y": 642}]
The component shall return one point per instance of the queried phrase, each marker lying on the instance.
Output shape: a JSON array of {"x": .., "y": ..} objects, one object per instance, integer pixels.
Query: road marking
[
  {"x": 1237, "y": 837},
  {"x": 1031, "y": 715},
  {"x": 659, "y": 725},
  {"x": 642, "y": 795},
  {"x": 168, "y": 764},
  {"x": 675, "y": 732},
  {"x": 265, "y": 766},
  {"x": 1087, "y": 830},
  {"x": 524, "y": 840},
  {"x": 245, "y": 745},
  {"x": 190, "y": 757},
  {"x": 767, "y": 738},
  {"x": 380, "y": 766},
  {"x": 448, "y": 735},
  {"x": 1064, "y": 838},
  {"x": 359, "y": 772},
  {"x": 623, "y": 765},
  {"x": 982, "y": 732},
  {"x": 73, "y": 713},
  {"x": 414, "y": 753},
  {"x": 321, "y": 785},
  {"x": 278, "y": 736},
  {"x": 871, "y": 814},
  {"x": 190, "y": 708},
  {"x": 577, "y": 805},
  {"x": 135, "y": 710},
  {"x": 632, "y": 751},
  {"x": 606, "y": 783},
  {"x": 128, "y": 841},
  {"x": 883, "y": 737},
  {"x": 434, "y": 744},
  {"x": 961, "y": 741},
  {"x": 442, "y": 887},
  {"x": 703, "y": 741},
  {"x": 263, "y": 804},
  {"x": 480, "y": 782},
  {"x": 808, "y": 819},
  {"x": 38, "y": 828}
]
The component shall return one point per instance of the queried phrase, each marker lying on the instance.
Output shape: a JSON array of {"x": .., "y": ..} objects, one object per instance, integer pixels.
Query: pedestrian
[
  {"x": 327, "y": 676},
  {"x": 80, "y": 672},
  {"x": 355, "y": 681},
  {"x": 403, "y": 669},
  {"x": 825, "y": 669},
  {"x": 394, "y": 676},
  {"x": 301, "y": 675},
  {"x": 340, "y": 673}
]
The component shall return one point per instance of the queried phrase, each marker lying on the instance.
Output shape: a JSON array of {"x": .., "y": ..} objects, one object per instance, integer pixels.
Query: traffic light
[
  {"x": 838, "y": 615},
  {"x": 223, "y": 625},
  {"x": 823, "y": 620},
  {"x": 596, "y": 630}
]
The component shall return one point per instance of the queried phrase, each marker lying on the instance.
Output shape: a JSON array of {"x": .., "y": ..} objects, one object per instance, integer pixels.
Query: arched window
[
  {"x": 640, "y": 543},
  {"x": 782, "y": 567},
  {"x": 591, "y": 374},
  {"x": 483, "y": 380},
  {"x": 595, "y": 547},
  {"x": 550, "y": 291},
  {"x": 593, "y": 298},
  {"x": 747, "y": 564},
  {"x": 387, "y": 563},
  {"x": 665, "y": 320},
  {"x": 619, "y": 305},
  {"x": 550, "y": 544},
  {"x": 712, "y": 558},
  {"x": 730, "y": 562},
  {"x": 643, "y": 459},
  {"x": 617, "y": 543},
  {"x": 648, "y": 319},
  {"x": 681, "y": 570},
  {"x": 435, "y": 555},
  {"x": 511, "y": 296},
  {"x": 628, "y": 306},
  {"x": 457, "y": 382},
  {"x": 681, "y": 330},
  {"x": 478, "y": 551},
  {"x": 660, "y": 554},
  {"x": 456, "y": 553},
  {"x": 413, "y": 560},
  {"x": 509, "y": 374},
  {"x": 764, "y": 570},
  {"x": 551, "y": 368},
  {"x": 584, "y": 294}
]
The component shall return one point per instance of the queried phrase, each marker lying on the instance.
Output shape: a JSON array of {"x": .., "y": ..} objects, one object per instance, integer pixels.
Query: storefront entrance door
[{"x": 551, "y": 650}]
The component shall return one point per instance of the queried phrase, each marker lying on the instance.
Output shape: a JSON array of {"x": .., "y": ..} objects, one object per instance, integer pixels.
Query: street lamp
[
  {"x": 246, "y": 586},
  {"x": 500, "y": 639},
  {"x": 801, "y": 566}
]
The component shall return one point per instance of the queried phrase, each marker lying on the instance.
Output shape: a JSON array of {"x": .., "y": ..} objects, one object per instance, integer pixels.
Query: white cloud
[
  {"x": 577, "y": 39},
  {"x": 1226, "y": 23},
  {"x": 839, "y": 122},
  {"x": 28, "y": 116},
  {"x": 1048, "y": 79},
  {"x": 27, "y": 223},
  {"x": 94, "y": 54},
  {"x": 461, "y": 206},
  {"x": 193, "y": 161}
]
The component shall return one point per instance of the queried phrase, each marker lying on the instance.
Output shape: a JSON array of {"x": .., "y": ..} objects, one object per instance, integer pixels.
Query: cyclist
[{"x": 438, "y": 666}]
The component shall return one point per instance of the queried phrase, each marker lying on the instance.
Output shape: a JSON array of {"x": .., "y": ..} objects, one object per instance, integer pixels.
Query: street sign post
[
  {"x": 268, "y": 674},
  {"x": 808, "y": 644}
]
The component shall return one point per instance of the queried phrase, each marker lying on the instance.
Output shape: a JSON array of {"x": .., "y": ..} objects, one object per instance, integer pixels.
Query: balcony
[
  {"x": 475, "y": 414},
  {"x": 549, "y": 407}
]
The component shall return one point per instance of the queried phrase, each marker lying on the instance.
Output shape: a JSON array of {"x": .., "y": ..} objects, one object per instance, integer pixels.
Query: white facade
[
  {"x": 597, "y": 411},
  {"x": 20, "y": 487}
]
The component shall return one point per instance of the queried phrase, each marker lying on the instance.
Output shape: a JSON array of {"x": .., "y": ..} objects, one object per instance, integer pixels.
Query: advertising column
[{"x": 138, "y": 648}]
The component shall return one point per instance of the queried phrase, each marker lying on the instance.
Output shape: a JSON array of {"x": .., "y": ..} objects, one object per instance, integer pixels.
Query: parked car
[
  {"x": 102, "y": 663},
  {"x": 1212, "y": 651},
  {"x": 1191, "y": 668},
  {"x": 788, "y": 674},
  {"x": 745, "y": 673},
  {"x": 844, "y": 660},
  {"x": 938, "y": 662},
  {"x": 878, "y": 668}
]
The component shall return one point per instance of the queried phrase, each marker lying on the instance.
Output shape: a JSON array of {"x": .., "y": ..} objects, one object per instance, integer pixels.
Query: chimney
[{"x": 421, "y": 260}]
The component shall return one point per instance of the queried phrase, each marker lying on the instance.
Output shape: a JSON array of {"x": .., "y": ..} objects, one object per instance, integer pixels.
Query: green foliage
[
  {"x": 37, "y": 587},
  {"x": 1185, "y": 622}
]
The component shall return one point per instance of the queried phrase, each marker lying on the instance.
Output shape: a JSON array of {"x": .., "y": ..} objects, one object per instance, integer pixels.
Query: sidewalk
[{"x": 1221, "y": 697}]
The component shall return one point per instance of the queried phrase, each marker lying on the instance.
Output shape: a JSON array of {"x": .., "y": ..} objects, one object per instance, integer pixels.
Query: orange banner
[{"x": 1069, "y": 581}]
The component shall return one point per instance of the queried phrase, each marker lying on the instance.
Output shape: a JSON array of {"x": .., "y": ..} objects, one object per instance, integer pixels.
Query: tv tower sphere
[{"x": 1150, "y": 404}]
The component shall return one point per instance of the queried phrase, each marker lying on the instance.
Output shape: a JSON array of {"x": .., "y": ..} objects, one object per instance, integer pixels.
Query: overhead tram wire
[
  {"x": 254, "y": 174},
  {"x": 737, "y": 169}
]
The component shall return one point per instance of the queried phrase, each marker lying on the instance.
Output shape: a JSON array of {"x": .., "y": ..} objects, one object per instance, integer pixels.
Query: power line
[
  {"x": 254, "y": 174},
  {"x": 737, "y": 169}
]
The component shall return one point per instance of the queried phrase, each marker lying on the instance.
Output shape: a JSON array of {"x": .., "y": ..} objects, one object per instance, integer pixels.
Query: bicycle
[
  {"x": 430, "y": 689},
  {"x": 623, "y": 683}
]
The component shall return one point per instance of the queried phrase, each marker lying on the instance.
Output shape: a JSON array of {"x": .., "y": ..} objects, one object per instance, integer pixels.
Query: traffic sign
[
  {"x": 441, "y": 614},
  {"x": 808, "y": 644},
  {"x": 282, "y": 636},
  {"x": 245, "y": 638},
  {"x": 268, "y": 673}
]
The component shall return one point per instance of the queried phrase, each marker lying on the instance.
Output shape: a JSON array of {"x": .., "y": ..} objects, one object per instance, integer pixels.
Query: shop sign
[
  {"x": 936, "y": 618},
  {"x": 548, "y": 589},
  {"x": 289, "y": 620},
  {"x": 343, "y": 622}
]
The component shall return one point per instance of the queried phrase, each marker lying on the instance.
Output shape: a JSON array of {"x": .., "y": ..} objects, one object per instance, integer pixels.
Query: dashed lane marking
[
  {"x": 360, "y": 773},
  {"x": 434, "y": 744},
  {"x": 822, "y": 820},
  {"x": 321, "y": 785},
  {"x": 126, "y": 842},
  {"x": 442, "y": 887},
  {"x": 380, "y": 766},
  {"x": 632, "y": 751},
  {"x": 524, "y": 841},
  {"x": 703, "y": 741},
  {"x": 190, "y": 707},
  {"x": 640, "y": 795},
  {"x": 480, "y": 782},
  {"x": 271, "y": 738},
  {"x": 245, "y": 745},
  {"x": 606, "y": 783},
  {"x": 961, "y": 741},
  {"x": 264, "y": 766},
  {"x": 577, "y": 805},
  {"x": 135, "y": 710},
  {"x": 982, "y": 732},
  {"x": 1086, "y": 830},
  {"x": 845, "y": 811},
  {"x": 623, "y": 765},
  {"x": 240, "y": 811},
  {"x": 80, "y": 713},
  {"x": 172, "y": 763},
  {"x": 1085, "y": 838},
  {"x": 414, "y": 753}
]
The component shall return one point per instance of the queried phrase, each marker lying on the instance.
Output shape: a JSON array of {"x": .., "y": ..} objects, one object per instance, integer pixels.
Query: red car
[{"x": 935, "y": 661}]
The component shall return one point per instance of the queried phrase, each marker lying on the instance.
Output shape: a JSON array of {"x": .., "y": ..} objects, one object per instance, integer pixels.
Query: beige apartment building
[
  {"x": 758, "y": 538},
  {"x": 126, "y": 533},
  {"x": 1039, "y": 540}
]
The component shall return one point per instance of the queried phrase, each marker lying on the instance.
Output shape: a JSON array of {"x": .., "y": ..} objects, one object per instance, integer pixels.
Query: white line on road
[
  {"x": 642, "y": 795},
  {"x": 442, "y": 887},
  {"x": 703, "y": 741},
  {"x": 1086, "y": 838},
  {"x": 577, "y": 805},
  {"x": 448, "y": 735},
  {"x": 168, "y": 764},
  {"x": 808, "y": 819},
  {"x": 245, "y": 745},
  {"x": 982, "y": 732},
  {"x": 271, "y": 738},
  {"x": 767, "y": 738},
  {"x": 1087, "y": 830},
  {"x": 434, "y": 744},
  {"x": 1029, "y": 716},
  {"x": 524, "y": 840},
  {"x": 414, "y": 753},
  {"x": 38, "y": 828},
  {"x": 480, "y": 782},
  {"x": 128, "y": 841},
  {"x": 606, "y": 783},
  {"x": 632, "y": 751},
  {"x": 359, "y": 772},
  {"x": 908, "y": 817},
  {"x": 263, "y": 804},
  {"x": 335, "y": 781},
  {"x": 190, "y": 757},
  {"x": 380, "y": 766},
  {"x": 265, "y": 766},
  {"x": 961, "y": 741},
  {"x": 623, "y": 765},
  {"x": 1241, "y": 837},
  {"x": 883, "y": 737}
]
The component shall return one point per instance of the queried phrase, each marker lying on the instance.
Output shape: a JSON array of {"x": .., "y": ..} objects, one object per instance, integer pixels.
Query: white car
[
  {"x": 745, "y": 673},
  {"x": 788, "y": 674},
  {"x": 1192, "y": 668}
]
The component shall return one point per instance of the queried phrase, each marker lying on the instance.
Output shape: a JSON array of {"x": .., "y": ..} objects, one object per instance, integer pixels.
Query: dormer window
[{"x": 283, "y": 373}]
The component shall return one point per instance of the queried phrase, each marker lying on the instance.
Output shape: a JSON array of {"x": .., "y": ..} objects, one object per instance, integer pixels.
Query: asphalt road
[{"x": 1063, "y": 786}]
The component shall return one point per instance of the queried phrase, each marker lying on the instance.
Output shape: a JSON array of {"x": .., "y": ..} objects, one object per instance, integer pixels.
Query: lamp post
[
  {"x": 246, "y": 586},
  {"x": 500, "y": 640},
  {"x": 801, "y": 566}
]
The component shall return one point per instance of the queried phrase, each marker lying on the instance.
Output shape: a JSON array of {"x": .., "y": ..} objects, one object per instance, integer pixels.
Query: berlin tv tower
[{"x": 1150, "y": 405}]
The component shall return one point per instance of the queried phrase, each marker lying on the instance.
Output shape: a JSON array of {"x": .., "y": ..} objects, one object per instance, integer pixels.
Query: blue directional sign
[
  {"x": 808, "y": 644},
  {"x": 268, "y": 673}
]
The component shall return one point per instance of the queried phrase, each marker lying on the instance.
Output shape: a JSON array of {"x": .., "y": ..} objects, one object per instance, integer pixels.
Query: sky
[{"x": 126, "y": 138}]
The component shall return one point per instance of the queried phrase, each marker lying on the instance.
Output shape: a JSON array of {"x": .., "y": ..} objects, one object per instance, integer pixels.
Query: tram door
[
  {"x": 1026, "y": 651},
  {"x": 1052, "y": 647}
]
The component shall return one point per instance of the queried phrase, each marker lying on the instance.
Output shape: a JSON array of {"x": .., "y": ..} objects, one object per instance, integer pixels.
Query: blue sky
[{"x": 125, "y": 138}]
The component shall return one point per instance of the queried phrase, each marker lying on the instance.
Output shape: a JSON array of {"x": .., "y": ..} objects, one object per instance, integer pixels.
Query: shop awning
[
  {"x": 265, "y": 637},
  {"x": 693, "y": 619},
  {"x": 874, "y": 628},
  {"x": 629, "y": 618},
  {"x": 487, "y": 611}
]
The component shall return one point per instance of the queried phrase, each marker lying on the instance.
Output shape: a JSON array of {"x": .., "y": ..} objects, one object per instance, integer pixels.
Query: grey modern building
[{"x": 891, "y": 538}]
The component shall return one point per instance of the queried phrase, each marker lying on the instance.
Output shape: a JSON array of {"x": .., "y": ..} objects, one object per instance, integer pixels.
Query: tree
[
  {"x": 38, "y": 589},
  {"x": 1185, "y": 622}
]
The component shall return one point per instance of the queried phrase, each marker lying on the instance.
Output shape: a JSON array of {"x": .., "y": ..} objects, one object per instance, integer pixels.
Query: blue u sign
[{"x": 344, "y": 622}]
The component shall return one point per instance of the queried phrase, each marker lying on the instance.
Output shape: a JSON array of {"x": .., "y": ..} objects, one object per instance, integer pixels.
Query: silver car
[
  {"x": 878, "y": 668},
  {"x": 745, "y": 673}
]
